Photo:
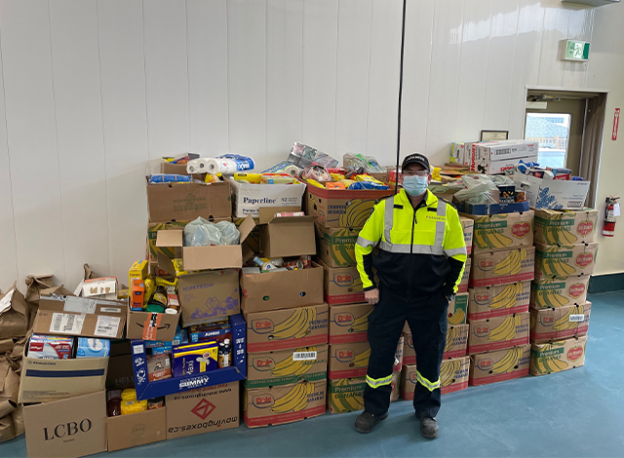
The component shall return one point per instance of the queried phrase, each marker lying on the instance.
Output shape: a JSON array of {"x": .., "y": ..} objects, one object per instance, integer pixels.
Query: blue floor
[{"x": 578, "y": 413}]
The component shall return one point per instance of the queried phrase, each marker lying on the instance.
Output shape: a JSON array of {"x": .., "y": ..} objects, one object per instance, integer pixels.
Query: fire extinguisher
[{"x": 612, "y": 210}]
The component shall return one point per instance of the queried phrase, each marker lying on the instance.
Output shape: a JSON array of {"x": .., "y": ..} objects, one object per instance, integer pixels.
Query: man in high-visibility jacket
[{"x": 419, "y": 265}]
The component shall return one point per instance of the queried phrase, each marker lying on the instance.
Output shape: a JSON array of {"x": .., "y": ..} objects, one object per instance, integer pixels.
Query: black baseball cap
[{"x": 416, "y": 158}]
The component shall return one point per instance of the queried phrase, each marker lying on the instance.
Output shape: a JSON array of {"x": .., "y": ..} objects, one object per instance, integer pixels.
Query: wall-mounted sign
[{"x": 577, "y": 51}]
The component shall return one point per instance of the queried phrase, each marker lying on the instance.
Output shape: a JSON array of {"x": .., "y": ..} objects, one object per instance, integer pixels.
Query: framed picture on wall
[{"x": 494, "y": 135}]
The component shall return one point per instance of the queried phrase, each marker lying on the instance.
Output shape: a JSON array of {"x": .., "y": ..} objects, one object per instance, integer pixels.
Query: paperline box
[
  {"x": 498, "y": 300},
  {"x": 160, "y": 326},
  {"x": 468, "y": 228},
  {"x": 558, "y": 356},
  {"x": 80, "y": 316},
  {"x": 119, "y": 374},
  {"x": 349, "y": 323},
  {"x": 350, "y": 360},
  {"x": 346, "y": 394},
  {"x": 560, "y": 323},
  {"x": 553, "y": 194},
  {"x": 565, "y": 261},
  {"x": 285, "y": 367},
  {"x": 456, "y": 343},
  {"x": 504, "y": 230},
  {"x": 205, "y": 410},
  {"x": 555, "y": 292},
  {"x": 342, "y": 285},
  {"x": 67, "y": 428},
  {"x": 283, "y": 289},
  {"x": 463, "y": 284},
  {"x": 286, "y": 329},
  {"x": 336, "y": 246},
  {"x": 286, "y": 236},
  {"x": 343, "y": 208},
  {"x": 453, "y": 377},
  {"x": 498, "y": 333},
  {"x": 283, "y": 404},
  {"x": 501, "y": 365},
  {"x": 248, "y": 197},
  {"x": 554, "y": 227},
  {"x": 458, "y": 309},
  {"x": 140, "y": 428},
  {"x": 15, "y": 315},
  {"x": 188, "y": 201},
  {"x": 502, "y": 267}
]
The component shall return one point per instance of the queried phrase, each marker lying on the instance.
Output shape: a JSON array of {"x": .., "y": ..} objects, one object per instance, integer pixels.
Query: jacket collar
[{"x": 430, "y": 199}]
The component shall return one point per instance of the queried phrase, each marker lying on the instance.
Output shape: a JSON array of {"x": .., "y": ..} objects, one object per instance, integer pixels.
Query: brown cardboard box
[
  {"x": 463, "y": 284},
  {"x": 565, "y": 261},
  {"x": 458, "y": 309},
  {"x": 336, "y": 246},
  {"x": 176, "y": 169},
  {"x": 286, "y": 236},
  {"x": 501, "y": 365},
  {"x": 456, "y": 343},
  {"x": 349, "y": 323},
  {"x": 453, "y": 377},
  {"x": 502, "y": 266},
  {"x": 283, "y": 289},
  {"x": 547, "y": 358},
  {"x": 551, "y": 292},
  {"x": 505, "y": 230},
  {"x": 559, "y": 323},
  {"x": 498, "y": 300},
  {"x": 346, "y": 394},
  {"x": 266, "y": 406},
  {"x": 125, "y": 431},
  {"x": 187, "y": 201},
  {"x": 285, "y": 329},
  {"x": 498, "y": 333},
  {"x": 204, "y": 410},
  {"x": 78, "y": 316},
  {"x": 285, "y": 367},
  {"x": 151, "y": 326},
  {"x": 468, "y": 228},
  {"x": 553, "y": 227},
  {"x": 68, "y": 428},
  {"x": 349, "y": 360},
  {"x": 342, "y": 285},
  {"x": 14, "y": 314},
  {"x": 120, "y": 373}
]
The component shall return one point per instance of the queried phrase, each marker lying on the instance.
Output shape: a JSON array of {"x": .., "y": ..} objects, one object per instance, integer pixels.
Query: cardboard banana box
[
  {"x": 456, "y": 343},
  {"x": 342, "y": 285},
  {"x": 458, "y": 309},
  {"x": 499, "y": 300},
  {"x": 560, "y": 323},
  {"x": 468, "y": 228},
  {"x": 498, "y": 333},
  {"x": 285, "y": 367},
  {"x": 504, "y": 230},
  {"x": 283, "y": 404},
  {"x": 502, "y": 267},
  {"x": 349, "y": 323},
  {"x": 347, "y": 394},
  {"x": 463, "y": 285},
  {"x": 549, "y": 292},
  {"x": 501, "y": 365},
  {"x": 558, "y": 356},
  {"x": 561, "y": 227},
  {"x": 336, "y": 246},
  {"x": 453, "y": 377},
  {"x": 350, "y": 360},
  {"x": 565, "y": 261}
]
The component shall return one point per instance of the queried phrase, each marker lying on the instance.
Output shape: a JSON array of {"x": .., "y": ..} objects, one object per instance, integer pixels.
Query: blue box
[
  {"x": 148, "y": 390},
  {"x": 492, "y": 209},
  {"x": 195, "y": 336}
]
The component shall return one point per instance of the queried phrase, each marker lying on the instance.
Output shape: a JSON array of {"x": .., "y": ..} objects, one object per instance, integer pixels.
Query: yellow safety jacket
[{"x": 421, "y": 251}]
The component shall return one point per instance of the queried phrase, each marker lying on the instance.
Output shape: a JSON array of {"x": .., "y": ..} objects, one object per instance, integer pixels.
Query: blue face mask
[{"x": 415, "y": 185}]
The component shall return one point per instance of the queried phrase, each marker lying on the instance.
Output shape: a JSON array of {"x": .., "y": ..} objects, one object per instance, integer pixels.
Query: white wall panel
[
  {"x": 555, "y": 29},
  {"x": 580, "y": 25}
]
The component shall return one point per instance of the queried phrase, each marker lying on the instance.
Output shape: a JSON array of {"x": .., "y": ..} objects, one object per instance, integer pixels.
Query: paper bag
[
  {"x": 6, "y": 429},
  {"x": 34, "y": 285},
  {"x": 14, "y": 318}
]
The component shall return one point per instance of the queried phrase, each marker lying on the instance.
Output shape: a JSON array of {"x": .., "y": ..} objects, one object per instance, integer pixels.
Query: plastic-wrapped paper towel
[{"x": 201, "y": 232}]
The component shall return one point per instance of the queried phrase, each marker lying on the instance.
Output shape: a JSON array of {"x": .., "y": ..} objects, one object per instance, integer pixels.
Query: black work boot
[
  {"x": 366, "y": 422},
  {"x": 429, "y": 428}
]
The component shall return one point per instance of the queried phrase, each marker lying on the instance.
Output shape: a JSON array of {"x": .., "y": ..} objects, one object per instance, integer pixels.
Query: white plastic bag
[
  {"x": 201, "y": 232},
  {"x": 229, "y": 233}
]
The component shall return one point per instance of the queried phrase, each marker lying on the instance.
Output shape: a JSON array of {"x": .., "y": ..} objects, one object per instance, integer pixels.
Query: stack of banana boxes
[{"x": 564, "y": 261}]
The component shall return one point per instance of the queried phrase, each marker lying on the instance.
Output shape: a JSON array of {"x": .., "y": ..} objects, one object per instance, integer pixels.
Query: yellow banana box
[
  {"x": 347, "y": 394},
  {"x": 504, "y": 230},
  {"x": 342, "y": 285},
  {"x": 468, "y": 228},
  {"x": 152, "y": 233},
  {"x": 336, "y": 246},
  {"x": 565, "y": 227},
  {"x": 560, "y": 323},
  {"x": 549, "y": 292},
  {"x": 565, "y": 261},
  {"x": 558, "y": 356},
  {"x": 458, "y": 309},
  {"x": 499, "y": 300},
  {"x": 453, "y": 377},
  {"x": 349, "y": 360},
  {"x": 285, "y": 367},
  {"x": 501, "y": 365},
  {"x": 277, "y": 405},
  {"x": 287, "y": 328},
  {"x": 348, "y": 323},
  {"x": 502, "y": 266},
  {"x": 498, "y": 333},
  {"x": 456, "y": 343},
  {"x": 463, "y": 284}
]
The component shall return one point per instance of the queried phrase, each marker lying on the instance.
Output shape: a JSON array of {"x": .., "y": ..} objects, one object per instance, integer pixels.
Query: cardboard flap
[
  {"x": 164, "y": 263},
  {"x": 245, "y": 228},
  {"x": 170, "y": 238},
  {"x": 293, "y": 219},
  {"x": 247, "y": 253},
  {"x": 267, "y": 213},
  {"x": 57, "y": 291}
]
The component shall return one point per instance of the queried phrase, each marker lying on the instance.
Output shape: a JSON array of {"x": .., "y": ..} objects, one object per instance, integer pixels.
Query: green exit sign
[{"x": 576, "y": 50}]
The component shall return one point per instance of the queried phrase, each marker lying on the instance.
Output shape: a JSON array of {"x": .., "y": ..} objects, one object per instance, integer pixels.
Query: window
[{"x": 552, "y": 131}]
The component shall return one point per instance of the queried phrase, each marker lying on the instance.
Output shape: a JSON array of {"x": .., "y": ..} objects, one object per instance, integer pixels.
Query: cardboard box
[
  {"x": 501, "y": 365},
  {"x": 396, "y": 385},
  {"x": 456, "y": 343},
  {"x": 79, "y": 316},
  {"x": 336, "y": 246},
  {"x": 560, "y": 323},
  {"x": 463, "y": 285},
  {"x": 547, "y": 358},
  {"x": 188, "y": 201},
  {"x": 176, "y": 169},
  {"x": 282, "y": 289},
  {"x": 501, "y": 166},
  {"x": 551, "y": 292},
  {"x": 453, "y": 377},
  {"x": 154, "y": 251},
  {"x": 285, "y": 367},
  {"x": 205, "y": 410},
  {"x": 68, "y": 428},
  {"x": 343, "y": 208},
  {"x": 100, "y": 288},
  {"x": 458, "y": 309},
  {"x": 498, "y": 333},
  {"x": 497, "y": 157},
  {"x": 565, "y": 227},
  {"x": 286, "y": 236},
  {"x": 457, "y": 153},
  {"x": 151, "y": 326},
  {"x": 283, "y": 404},
  {"x": 491, "y": 209},
  {"x": 565, "y": 261},
  {"x": 119, "y": 374},
  {"x": 125, "y": 431},
  {"x": 502, "y": 267},
  {"x": 468, "y": 228},
  {"x": 505, "y": 230},
  {"x": 553, "y": 194},
  {"x": 350, "y": 360},
  {"x": 342, "y": 285},
  {"x": 349, "y": 323},
  {"x": 499, "y": 300},
  {"x": 346, "y": 394},
  {"x": 286, "y": 329},
  {"x": 248, "y": 197}
]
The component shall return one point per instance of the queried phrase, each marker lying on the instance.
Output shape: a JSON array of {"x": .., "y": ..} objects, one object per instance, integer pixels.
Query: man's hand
[{"x": 372, "y": 296}]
